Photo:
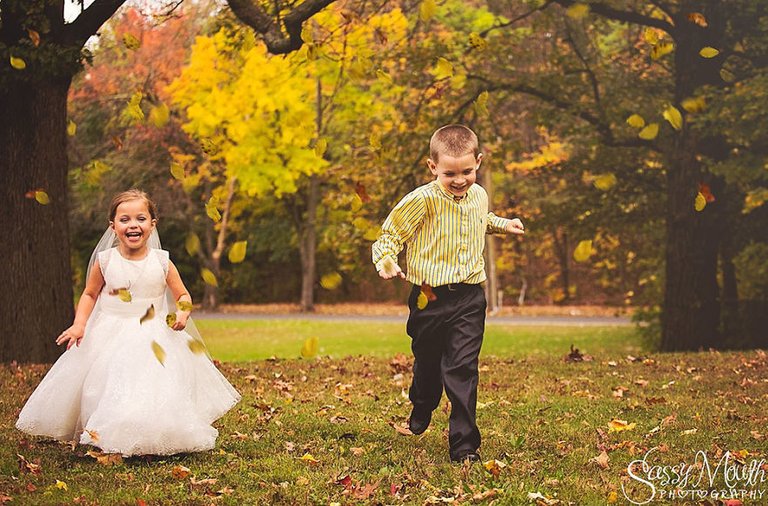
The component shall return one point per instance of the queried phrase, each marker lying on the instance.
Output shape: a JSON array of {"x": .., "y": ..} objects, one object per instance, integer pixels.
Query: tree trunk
[
  {"x": 307, "y": 246},
  {"x": 37, "y": 289},
  {"x": 491, "y": 287},
  {"x": 561, "y": 251}
]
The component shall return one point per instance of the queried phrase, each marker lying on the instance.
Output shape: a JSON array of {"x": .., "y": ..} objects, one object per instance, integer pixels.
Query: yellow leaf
[
  {"x": 375, "y": 140},
  {"x": 306, "y": 33},
  {"x": 237, "y": 252},
  {"x": 613, "y": 497},
  {"x": 649, "y": 132},
  {"x": 124, "y": 295},
  {"x": 42, "y": 197},
  {"x": 443, "y": 69},
  {"x": 384, "y": 76},
  {"x": 209, "y": 277},
  {"x": 212, "y": 211},
  {"x": 372, "y": 233},
  {"x": 577, "y": 11},
  {"x": 494, "y": 467},
  {"x": 320, "y": 147},
  {"x": 673, "y": 116},
  {"x": 620, "y": 425},
  {"x": 661, "y": 49},
  {"x": 131, "y": 42},
  {"x": 148, "y": 315},
  {"x": 700, "y": 203},
  {"x": 170, "y": 319},
  {"x": 636, "y": 121},
  {"x": 34, "y": 37},
  {"x": 427, "y": 10},
  {"x": 698, "y": 18},
  {"x": 192, "y": 244},
  {"x": 708, "y": 52},
  {"x": 458, "y": 81},
  {"x": 197, "y": 347},
  {"x": 159, "y": 352},
  {"x": 177, "y": 171},
  {"x": 61, "y": 485},
  {"x": 184, "y": 305},
  {"x": 71, "y": 128},
  {"x": 481, "y": 104},
  {"x": 133, "y": 109},
  {"x": 309, "y": 459},
  {"x": 605, "y": 182},
  {"x": 477, "y": 42},
  {"x": 310, "y": 347},
  {"x": 18, "y": 63},
  {"x": 159, "y": 115},
  {"x": 651, "y": 36},
  {"x": 180, "y": 472},
  {"x": 330, "y": 281},
  {"x": 388, "y": 266},
  {"x": 312, "y": 52},
  {"x": 694, "y": 105},
  {"x": 583, "y": 251},
  {"x": 422, "y": 300}
]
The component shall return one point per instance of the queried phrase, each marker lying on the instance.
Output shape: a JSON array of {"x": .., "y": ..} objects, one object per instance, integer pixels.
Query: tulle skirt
[{"x": 114, "y": 392}]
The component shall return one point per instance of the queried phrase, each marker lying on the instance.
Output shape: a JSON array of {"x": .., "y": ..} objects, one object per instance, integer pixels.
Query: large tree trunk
[{"x": 36, "y": 297}]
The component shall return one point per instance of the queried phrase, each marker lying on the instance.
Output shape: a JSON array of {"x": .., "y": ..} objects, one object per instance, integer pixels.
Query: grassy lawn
[
  {"x": 321, "y": 431},
  {"x": 243, "y": 340}
]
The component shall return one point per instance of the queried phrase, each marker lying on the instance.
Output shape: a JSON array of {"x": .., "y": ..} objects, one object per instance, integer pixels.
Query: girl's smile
[{"x": 133, "y": 224}]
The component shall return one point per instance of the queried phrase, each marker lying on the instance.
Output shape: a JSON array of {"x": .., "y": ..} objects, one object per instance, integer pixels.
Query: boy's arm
[
  {"x": 497, "y": 225},
  {"x": 399, "y": 226}
]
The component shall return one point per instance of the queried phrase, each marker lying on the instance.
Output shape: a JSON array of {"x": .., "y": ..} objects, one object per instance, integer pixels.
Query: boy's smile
[{"x": 456, "y": 174}]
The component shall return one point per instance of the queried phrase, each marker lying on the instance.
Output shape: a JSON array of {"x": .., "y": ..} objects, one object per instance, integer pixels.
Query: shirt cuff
[{"x": 497, "y": 225}]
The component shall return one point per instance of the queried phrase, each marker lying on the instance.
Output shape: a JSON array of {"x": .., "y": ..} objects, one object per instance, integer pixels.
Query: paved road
[{"x": 563, "y": 321}]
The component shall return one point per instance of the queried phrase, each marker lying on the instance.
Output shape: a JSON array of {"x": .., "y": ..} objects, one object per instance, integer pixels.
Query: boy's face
[{"x": 456, "y": 174}]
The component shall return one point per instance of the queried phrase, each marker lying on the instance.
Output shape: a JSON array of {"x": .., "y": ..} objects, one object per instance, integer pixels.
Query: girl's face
[{"x": 132, "y": 224}]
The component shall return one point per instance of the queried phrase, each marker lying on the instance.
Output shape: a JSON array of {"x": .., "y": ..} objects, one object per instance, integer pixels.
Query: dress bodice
[{"x": 145, "y": 279}]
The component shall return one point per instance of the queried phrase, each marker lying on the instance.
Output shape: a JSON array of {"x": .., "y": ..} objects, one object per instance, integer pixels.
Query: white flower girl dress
[{"x": 134, "y": 386}]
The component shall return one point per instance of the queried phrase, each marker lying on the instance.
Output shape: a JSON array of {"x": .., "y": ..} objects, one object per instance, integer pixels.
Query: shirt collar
[{"x": 450, "y": 195}]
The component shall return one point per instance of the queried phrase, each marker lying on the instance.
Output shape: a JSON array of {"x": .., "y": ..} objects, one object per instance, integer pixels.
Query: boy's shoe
[
  {"x": 468, "y": 456},
  {"x": 419, "y": 421}
]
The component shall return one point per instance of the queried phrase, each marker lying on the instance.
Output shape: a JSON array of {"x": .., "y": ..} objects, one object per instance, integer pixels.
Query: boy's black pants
[{"x": 446, "y": 338}]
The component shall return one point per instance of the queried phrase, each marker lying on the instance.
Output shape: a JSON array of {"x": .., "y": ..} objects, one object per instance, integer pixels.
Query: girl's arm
[
  {"x": 93, "y": 285},
  {"x": 180, "y": 294}
]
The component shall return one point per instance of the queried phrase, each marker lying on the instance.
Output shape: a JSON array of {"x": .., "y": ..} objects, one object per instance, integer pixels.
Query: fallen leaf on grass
[
  {"x": 106, "y": 459},
  {"x": 180, "y": 472},
  {"x": 357, "y": 451},
  {"x": 542, "y": 499},
  {"x": 309, "y": 459},
  {"x": 404, "y": 431},
  {"x": 601, "y": 460},
  {"x": 494, "y": 467},
  {"x": 28, "y": 467},
  {"x": 61, "y": 485},
  {"x": 616, "y": 425}
]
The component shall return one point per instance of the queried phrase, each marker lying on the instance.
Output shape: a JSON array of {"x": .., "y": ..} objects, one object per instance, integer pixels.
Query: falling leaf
[
  {"x": 148, "y": 315},
  {"x": 310, "y": 347},
  {"x": 694, "y": 105},
  {"x": 362, "y": 193},
  {"x": 661, "y": 49},
  {"x": 184, "y": 305},
  {"x": 177, "y": 171},
  {"x": 481, "y": 104},
  {"x": 649, "y": 132},
  {"x": 422, "y": 301},
  {"x": 197, "y": 347},
  {"x": 192, "y": 244},
  {"x": 34, "y": 37},
  {"x": 320, "y": 147},
  {"x": 673, "y": 116},
  {"x": 494, "y": 467},
  {"x": 159, "y": 352},
  {"x": 620, "y": 425},
  {"x": 237, "y": 252},
  {"x": 708, "y": 52},
  {"x": 605, "y": 182},
  {"x": 61, "y": 485},
  {"x": 601, "y": 460},
  {"x": 651, "y": 36},
  {"x": 427, "y": 290},
  {"x": 384, "y": 76},
  {"x": 212, "y": 211},
  {"x": 700, "y": 202},
  {"x": 159, "y": 115},
  {"x": 375, "y": 140},
  {"x": 208, "y": 276},
  {"x": 170, "y": 319},
  {"x": 42, "y": 197},
  {"x": 727, "y": 76},
  {"x": 443, "y": 69},
  {"x": 577, "y": 11},
  {"x": 583, "y": 251},
  {"x": 705, "y": 190},
  {"x": 123, "y": 294},
  {"x": 180, "y": 472},
  {"x": 697, "y": 18},
  {"x": 427, "y": 10},
  {"x": 309, "y": 459},
  {"x": 330, "y": 281},
  {"x": 133, "y": 109},
  {"x": 71, "y": 128},
  {"x": 18, "y": 63},
  {"x": 636, "y": 121},
  {"x": 131, "y": 42},
  {"x": 477, "y": 42}
]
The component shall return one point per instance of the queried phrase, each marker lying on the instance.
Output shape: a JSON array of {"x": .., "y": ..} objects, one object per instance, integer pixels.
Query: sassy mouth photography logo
[{"x": 727, "y": 477}]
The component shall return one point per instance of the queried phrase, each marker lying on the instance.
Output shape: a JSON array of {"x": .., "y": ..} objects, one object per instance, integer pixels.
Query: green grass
[
  {"x": 242, "y": 340},
  {"x": 542, "y": 418}
]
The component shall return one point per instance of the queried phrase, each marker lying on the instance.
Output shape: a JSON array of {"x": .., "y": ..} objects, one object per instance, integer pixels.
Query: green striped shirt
[{"x": 445, "y": 237}]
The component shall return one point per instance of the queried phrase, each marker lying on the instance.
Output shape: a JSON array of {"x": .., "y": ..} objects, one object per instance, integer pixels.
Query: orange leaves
[
  {"x": 34, "y": 37},
  {"x": 180, "y": 472},
  {"x": 28, "y": 467},
  {"x": 426, "y": 295},
  {"x": 494, "y": 467},
  {"x": 601, "y": 460},
  {"x": 106, "y": 459}
]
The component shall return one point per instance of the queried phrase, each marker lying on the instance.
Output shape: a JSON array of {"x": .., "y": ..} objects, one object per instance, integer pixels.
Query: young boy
[{"x": 444, "y": 225}]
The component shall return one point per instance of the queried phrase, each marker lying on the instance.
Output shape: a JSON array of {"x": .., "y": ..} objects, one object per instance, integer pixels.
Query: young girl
[{"x": 132, "y": 381}]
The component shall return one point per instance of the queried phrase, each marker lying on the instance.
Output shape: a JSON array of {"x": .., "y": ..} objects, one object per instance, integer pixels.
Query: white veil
[{"x": 109, "y": 240}]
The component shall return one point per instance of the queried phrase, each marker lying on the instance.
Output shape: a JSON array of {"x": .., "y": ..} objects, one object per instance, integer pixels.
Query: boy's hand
[
  {"x": 516, "y": 227},
  {"x": 390, "y": 270},
  {"x": 72, "y": 336}
]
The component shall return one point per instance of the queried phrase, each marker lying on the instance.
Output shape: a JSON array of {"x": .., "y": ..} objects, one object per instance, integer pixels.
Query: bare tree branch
[
  {"x": 624, "y": 16},
  {"x": 90, "y": 20}
]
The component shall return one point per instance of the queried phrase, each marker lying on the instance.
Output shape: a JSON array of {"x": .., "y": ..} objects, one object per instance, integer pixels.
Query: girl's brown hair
[{"x": 132, "y": 194}]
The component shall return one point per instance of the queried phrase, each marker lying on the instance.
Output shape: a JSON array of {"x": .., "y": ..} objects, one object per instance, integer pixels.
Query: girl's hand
[
  {"x": 516, "y": 227},
  {"x": 181, "y": 320},
  {"x": 72, "y": 336}
]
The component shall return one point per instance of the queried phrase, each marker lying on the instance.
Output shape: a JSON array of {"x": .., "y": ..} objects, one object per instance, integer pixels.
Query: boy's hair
[
  {"x": 132, "y": 194},
  {"x": 453, "y": 140}
]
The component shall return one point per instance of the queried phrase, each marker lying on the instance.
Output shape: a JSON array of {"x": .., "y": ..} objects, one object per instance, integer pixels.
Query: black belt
[{"x": 450, "y": 288}]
